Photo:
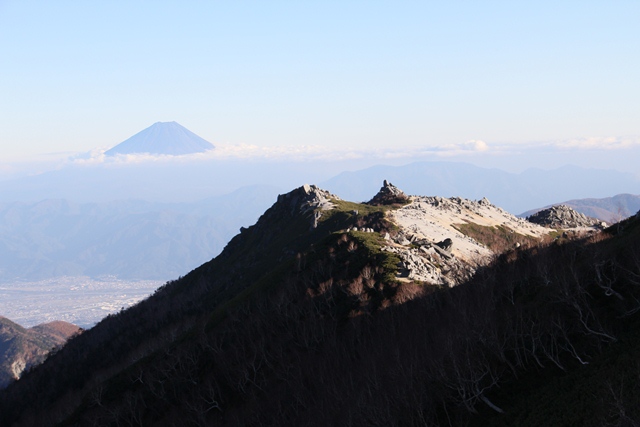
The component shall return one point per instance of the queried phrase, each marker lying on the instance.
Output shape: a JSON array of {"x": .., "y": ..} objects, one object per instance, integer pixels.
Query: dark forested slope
[{"x": 299, "y": 322}]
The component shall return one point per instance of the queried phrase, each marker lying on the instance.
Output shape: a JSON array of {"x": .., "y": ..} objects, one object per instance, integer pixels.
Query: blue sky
[{"x": 365, "y": 75}]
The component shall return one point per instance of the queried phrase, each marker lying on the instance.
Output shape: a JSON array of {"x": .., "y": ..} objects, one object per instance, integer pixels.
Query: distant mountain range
[
  {"x": 515, "y": 192},
  {"x": 128, "y": 239},
  {"x": 173, "y": 181},
  {"x": 48, "y": 229},
  {"x": 167, "y": 138},
  {"x": 609, "y": 209}
]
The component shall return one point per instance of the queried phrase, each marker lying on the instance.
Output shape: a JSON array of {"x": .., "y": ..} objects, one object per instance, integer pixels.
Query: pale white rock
[
  {"x": 17, "y": 367},
  {"x": 433, "y": 218}
]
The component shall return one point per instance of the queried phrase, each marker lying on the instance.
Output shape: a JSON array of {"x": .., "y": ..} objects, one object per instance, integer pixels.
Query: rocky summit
[
  {"x": 441, "y": 241},
  {"x": 307, "y": 200},
  {"x": 389, "y": 194},
  {"x": 564, "y": 217},
  {"x": 329, "y": 312}
]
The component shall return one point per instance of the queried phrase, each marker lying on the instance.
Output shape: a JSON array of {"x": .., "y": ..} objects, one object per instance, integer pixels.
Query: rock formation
[
  {"x": 430, "y": 264},
  {"x": 389, "y": 194},
  {"x": 446, "y": 244},
  {"x": 562, "y": 216},
  {"x": 308, "y": 199},
  {"x": 440, "y": 219}
]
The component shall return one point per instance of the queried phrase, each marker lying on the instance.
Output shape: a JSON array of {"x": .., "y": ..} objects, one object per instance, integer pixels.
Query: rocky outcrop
[
  {"x": 423, "y": 261},
  {"x": 389, "y": 194},
  {"x": 307, "y": 200},
  {"x": 440, "y": 221},
  {"x": 562, "y": 216},
  {"x": 459, "y": 204}
]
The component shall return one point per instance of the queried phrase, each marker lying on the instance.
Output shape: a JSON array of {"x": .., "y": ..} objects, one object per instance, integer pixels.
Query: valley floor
[{"x": 82, "y": 301}]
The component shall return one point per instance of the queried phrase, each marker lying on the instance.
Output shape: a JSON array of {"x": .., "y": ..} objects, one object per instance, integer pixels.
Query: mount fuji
[{"x": 169, "y": 138}]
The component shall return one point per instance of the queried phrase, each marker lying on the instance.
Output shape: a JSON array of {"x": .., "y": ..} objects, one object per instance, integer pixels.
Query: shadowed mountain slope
[
  {"x": 301, "y": 322},
  {"x": 21, "y": 348}
]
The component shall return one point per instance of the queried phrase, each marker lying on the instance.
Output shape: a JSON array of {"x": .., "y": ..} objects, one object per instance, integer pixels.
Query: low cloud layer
[
  {"x": 288, "y": 153},
  {"x": 464, "y": 150},
  {"x": 600, "y": 143},
  {"x": 611, "y": 152}
]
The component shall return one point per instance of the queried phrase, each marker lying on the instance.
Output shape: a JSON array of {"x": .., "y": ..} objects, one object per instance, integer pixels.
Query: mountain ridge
[
  {"x": 301, "y": 320},
  {"x": 515, "y": 192},
  {"x": 609, "y": 209},
  {"x": 177, "y": 180},
  {"x": 23, "y": 348}
]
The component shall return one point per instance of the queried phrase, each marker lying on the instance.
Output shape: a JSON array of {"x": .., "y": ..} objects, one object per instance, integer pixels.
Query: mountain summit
[
  {"x": 329, "y": 312},
  {"x": 169, "y": 138},
  {"x": 388, "y": 195}
]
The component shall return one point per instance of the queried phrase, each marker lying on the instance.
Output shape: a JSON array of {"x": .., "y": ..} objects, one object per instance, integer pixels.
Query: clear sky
[{"x": 76, "y": 75}]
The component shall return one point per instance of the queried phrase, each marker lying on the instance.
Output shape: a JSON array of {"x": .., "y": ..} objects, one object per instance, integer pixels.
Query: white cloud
[
  {"x": 303, "y": 153},
  {"x": 287, "y": 153},
  {"x": 467, "y": 148},
  {"x": 473, "y": 145},
  {"x": 477, "y": 145},
  {"x": 228, "y": 152},
  {"x": 599, "y": 143}
]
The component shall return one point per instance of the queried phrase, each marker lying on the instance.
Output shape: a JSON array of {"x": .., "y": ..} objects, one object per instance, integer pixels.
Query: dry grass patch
[{"x": 498, "y": 238}]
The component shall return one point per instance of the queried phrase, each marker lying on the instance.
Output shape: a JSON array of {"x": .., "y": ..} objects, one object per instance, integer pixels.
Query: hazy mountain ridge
[
  {"x": 515, "y": 192},
  {"x": 187, "y": 181},
  {"x": 299, "y": 321},
  {"x": 129, "y": 239},
  {"x": 608, "y": 209},
  {"x": 170, "y": 180}
]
